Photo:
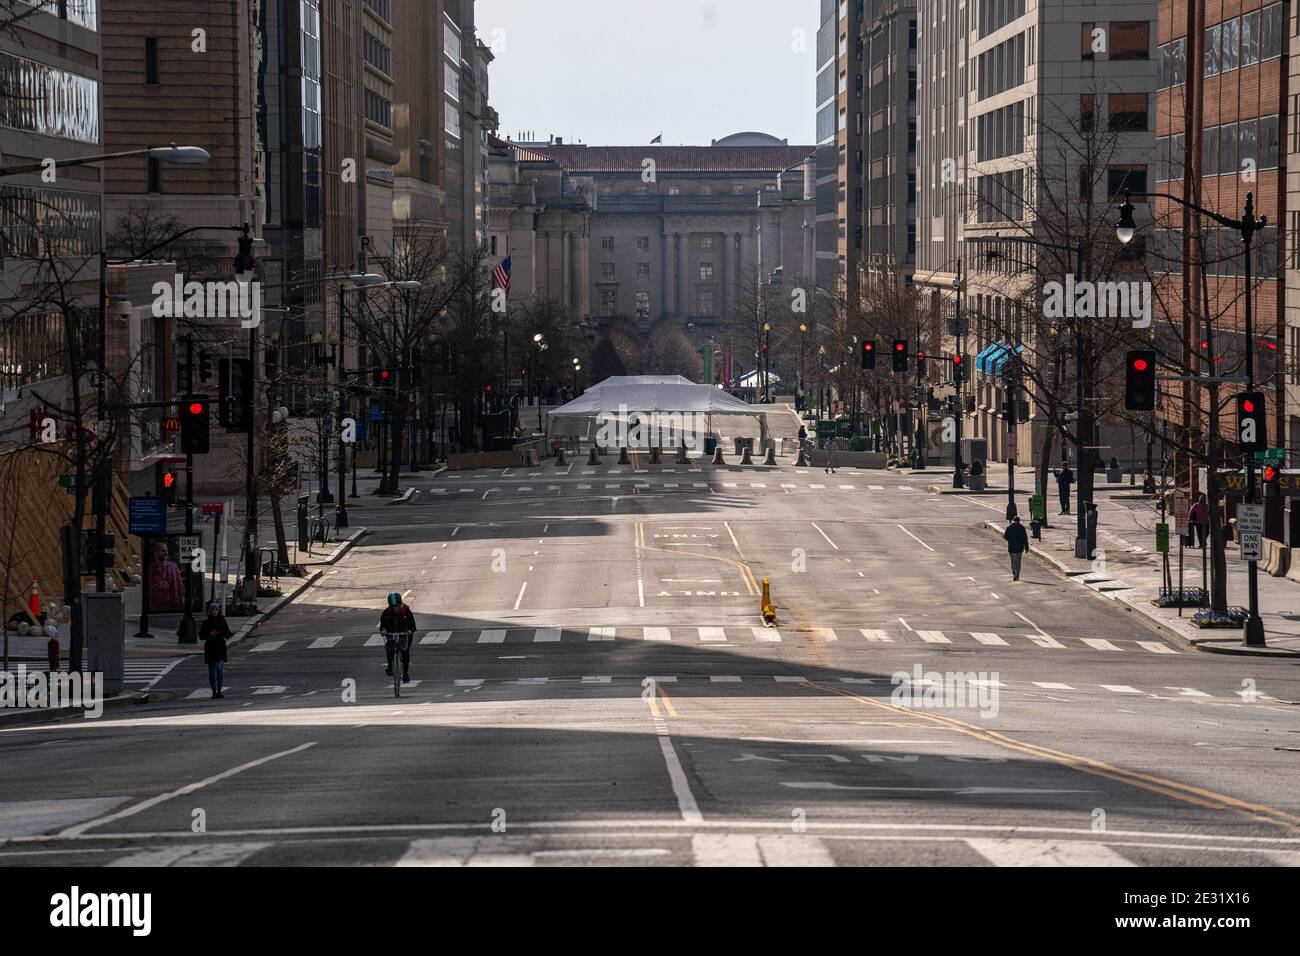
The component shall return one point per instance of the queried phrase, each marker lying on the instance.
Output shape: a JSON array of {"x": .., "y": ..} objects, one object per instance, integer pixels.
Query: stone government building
[{"x": 582, "y": 225}]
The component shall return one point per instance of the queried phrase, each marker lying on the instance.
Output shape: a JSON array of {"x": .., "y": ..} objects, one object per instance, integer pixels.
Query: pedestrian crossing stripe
[{"x": 142, "y": 671}]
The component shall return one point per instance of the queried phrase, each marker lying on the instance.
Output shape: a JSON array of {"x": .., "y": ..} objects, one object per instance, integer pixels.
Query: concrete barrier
[
  {"x": 594, "y": 457},
  {"x": 746, "y": 458},
  {"x": 1276, "y": 557},
  {"x": 681, "y": 455},
  {"x": 717, "y": 456},
  {"x": 656, "y": 456},
  {"x": 771, "y": 456},
  {"x": 622, "y": 457}
]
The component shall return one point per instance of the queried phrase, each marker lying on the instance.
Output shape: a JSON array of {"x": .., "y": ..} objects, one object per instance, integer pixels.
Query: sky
[{"x": 619, "y": 72}]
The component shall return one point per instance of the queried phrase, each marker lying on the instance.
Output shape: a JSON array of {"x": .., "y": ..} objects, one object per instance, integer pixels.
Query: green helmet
[{"x": 394, "y": 599}]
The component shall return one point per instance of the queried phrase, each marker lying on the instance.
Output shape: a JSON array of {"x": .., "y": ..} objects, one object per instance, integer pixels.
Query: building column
[
  {"x": 662, "y": 306},
  {"x": 566, "y": 256},
  {"x": 683, "y": 277},
  {"x": 723, "y": 274},
  {"x": 582, "y": 302}
]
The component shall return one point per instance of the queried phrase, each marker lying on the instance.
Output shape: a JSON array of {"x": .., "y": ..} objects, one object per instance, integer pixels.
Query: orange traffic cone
[{"x": 34, "y": 602}]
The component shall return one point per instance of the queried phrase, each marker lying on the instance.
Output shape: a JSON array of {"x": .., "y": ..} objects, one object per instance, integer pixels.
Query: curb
[
  {"x": 20, "y": 718},
  {"x": 1150, "y": 618},
  {"x": 406, "y": 496},
  {"x": 307, "y": 582}
]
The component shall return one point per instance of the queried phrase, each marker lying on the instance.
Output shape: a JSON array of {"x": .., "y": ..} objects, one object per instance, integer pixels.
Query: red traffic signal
[
  {"x": 168, "y": 480},
  {"x": 196, "y": 408},
  {"x": 1270, "y": 473},
  {"x": 1247, "y": 405},
  {"x": 868, "y": 346},
  {"x": 1140, "y": 365},
  {"x": 900, "y": 346}
]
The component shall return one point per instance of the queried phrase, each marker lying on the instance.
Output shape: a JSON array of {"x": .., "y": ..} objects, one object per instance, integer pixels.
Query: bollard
[
  {"x": 769, "y": 609},
  {"x": 560, "y": 458},
  {"x": 654, "y": 456},
  {"x": 594, "y": 457},
  {"x": 530, "y": 460},
  {"x": 717, "y": 456},
  {"x": 622, "y": 457},
  {"x": 681, "y": 454},
  {"x": 746, "y": 458},
  {"x": 771, "y": 456},
  {"x": 1036, "y": 529},
  {"x": 52, "y": 653}
]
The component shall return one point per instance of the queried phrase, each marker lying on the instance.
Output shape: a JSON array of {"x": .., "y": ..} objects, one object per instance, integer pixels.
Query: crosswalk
[
  {"x": 729, "y": 635},
  {"x": 714, "y": 848},
  {"x": 646, "y": 484},
  {"x": 143, "y": 674}
]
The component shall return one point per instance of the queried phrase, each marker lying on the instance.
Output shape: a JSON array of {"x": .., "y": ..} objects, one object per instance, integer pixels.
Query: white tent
[
  {"x": 634, "y": 410},
  {"x": 755, "y": 379}
]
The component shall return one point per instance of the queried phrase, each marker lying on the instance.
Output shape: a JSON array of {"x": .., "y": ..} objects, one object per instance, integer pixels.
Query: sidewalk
[{"x": 1129, "y": 572}]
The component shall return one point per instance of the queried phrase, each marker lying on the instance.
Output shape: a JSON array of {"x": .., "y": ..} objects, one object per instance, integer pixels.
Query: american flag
[{"x": 502, "y": 275}]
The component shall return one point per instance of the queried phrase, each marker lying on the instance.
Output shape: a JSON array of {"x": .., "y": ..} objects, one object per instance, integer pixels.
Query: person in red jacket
[{"x": 398, "y": 619}]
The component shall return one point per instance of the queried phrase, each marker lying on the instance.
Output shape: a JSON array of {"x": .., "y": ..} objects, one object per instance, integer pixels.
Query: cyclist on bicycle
[{"x": 398, "y": 619}]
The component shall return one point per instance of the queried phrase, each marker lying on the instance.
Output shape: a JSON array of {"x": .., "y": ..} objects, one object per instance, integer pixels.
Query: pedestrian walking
[
  {"x": 1198, "y": 516},
  {"x": 1064, "y": 478},
  {"x": 830, "y": 456},
  {"x": 1017, "y": 544},
  {"x": 214, "y": 632}
]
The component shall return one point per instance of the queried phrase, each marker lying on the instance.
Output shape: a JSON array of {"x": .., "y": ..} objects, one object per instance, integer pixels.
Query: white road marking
[
  {"x": 933, "y": 637},
  {"x": 600, "y": 634},
  {"x": 657, "y": 634},
  {"x": 1047, "y": 685},
  {"x": 915, "y": 538},
  {"x": 715, "y": 635},
  {"x": 519, "y": 600},
  {"x": 734, "y": 542},
  {"x": 546, "y": 635},
  {"x": 1042, "y": 640},
  {"x": 721, "y": 679},
  {"x": 186, "y": 790},
  {"x": 876, "y": 637},
  {"x": 375, "y": 640},
  {"x": 985, "y": 637},
  {"x": 1120, "y": 689},
  {"x": 825, "y": 535},
  {"x": 1019, "y": 852},
  {"x": 191, "y": 854},
  {"x": 267, "y": 646},
  {"x": 766, "y": 635},
  {"x": 1188, "y": 692},
  {"x": 690, "y": 810},
  {"x": 497, "y": 636},
  {"x": 1155, "y": 647},
  {"x": 322, "y": 642},
  {"x": 1099, "y": 643},
  {"x": 826, "y": 634},
  {"x": 436, "y": 637}
]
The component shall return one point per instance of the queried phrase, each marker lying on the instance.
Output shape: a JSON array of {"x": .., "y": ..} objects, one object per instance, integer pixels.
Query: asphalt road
[{"x": 593, "y": 686}]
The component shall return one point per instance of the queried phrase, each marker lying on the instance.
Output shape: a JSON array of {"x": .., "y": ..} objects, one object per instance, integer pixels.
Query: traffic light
[
  {"x": 1140, "y": 381},
  {"x": 1252, "y": 429},
  {"x": 205, "y": 366},
  {"x": 956, "y": 369},
  {"x": 1271, "y": 474},
  {"x": 920, "y": 365},
  {"x": 235, "y": 394},
  {"x": 899, "y": 355},
  {"x": 165, "y": 481},
  {"x": 194, "y": 425},
  {"x": 868, "y": 354}
]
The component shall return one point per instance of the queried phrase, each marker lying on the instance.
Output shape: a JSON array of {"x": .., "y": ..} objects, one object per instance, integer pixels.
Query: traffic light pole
[
  {"x": 186, "y": 634},
  {"x": 959, "y": 410},
  {"x": 1253, "y": 633},
  {"x": 341, "y": 510}
]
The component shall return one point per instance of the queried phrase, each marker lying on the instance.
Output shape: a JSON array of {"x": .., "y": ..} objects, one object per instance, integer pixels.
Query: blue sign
[
  {"x": 146, "y": 516},
  {"x": 376, "y": 413},
  {"x": 360, "y": 429}
]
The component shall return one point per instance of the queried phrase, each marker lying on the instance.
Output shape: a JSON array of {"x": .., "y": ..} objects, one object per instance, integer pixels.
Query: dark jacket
[
  {"x": 1016, "y": 538},
  {"x": 213, "y": 632},
  {"x": 1064, "y": 477},
  {"x": 397, "y": 620}
]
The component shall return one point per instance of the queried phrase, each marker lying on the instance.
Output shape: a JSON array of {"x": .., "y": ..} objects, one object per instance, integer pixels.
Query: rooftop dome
[{"x": 750, "y": 139}]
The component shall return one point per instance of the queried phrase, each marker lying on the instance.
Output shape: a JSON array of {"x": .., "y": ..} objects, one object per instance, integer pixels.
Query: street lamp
[
  {"x": 803, "y": 333},
  {"x": 767, "y": 362},
  {"x": 1247, "y": 225},
  {"x": 177, "y": 155}
]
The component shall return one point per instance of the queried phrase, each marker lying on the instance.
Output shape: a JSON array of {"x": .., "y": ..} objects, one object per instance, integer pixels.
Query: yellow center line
[
  {"x": 668, "y": 704},
  {"x": 746, "y": 573},
  {"x": 1186, "y": 793}
]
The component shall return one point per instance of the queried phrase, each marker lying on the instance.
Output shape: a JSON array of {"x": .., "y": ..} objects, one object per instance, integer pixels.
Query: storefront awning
[
  {"x": 989, "y": 353},
  {"x": 999, "y": 362}
]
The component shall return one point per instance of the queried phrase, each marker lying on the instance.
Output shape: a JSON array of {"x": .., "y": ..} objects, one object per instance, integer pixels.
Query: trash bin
[
  {"x": 710, "y": 445},
  {"x": 740, "y": 445}
]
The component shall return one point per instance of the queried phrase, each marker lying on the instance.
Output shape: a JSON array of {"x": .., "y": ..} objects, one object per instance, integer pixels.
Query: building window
[
  {"x": 643, "y": 270},
  {"x": 607, "y": 271},
  {"x": 606, "y": 243},
  {"x": 1250, "y": 38},
  {"x": 378, "y": 109},
  {"x": 643, "y": 305},
  {"x": 1212, "y": 55},
  {"x": 53, "y": 102},
  {"x": 1230, "y": 45},
  {"x": 608, "y": 302},
  {"x": 1128, "y": 112},
  {"x": 1293, "y": 378},
  {"x": 1087, "y": 112},
  {"x": 706, "y": 271},
  {"x": 452, "y": 112},
  {"x": 1085, "y": 40},
  {"x": 451, "y": 80},
  {"x": 151, "y": 60},
  {"x": 1119, "y": 178},
  {"x": 674, "y": 190},
  {"x": 426, "y": 161},
  {"x": 1210, "y": 151},
  {"x": 376, "y": 52},
  {"x": 643, "y": 243},
  {"x": 1228, "y": 149},
  {"x": 1270, "y": 32},
  {"x": 706, "y": 243},
  {"x": 1130, "y": 40},
  {"x": 704, "y": 302},
  {"x": 1269, "y": 142}
]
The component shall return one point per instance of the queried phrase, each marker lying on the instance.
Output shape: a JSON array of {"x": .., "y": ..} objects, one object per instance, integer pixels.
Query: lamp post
[
  {"x": 803, "y": 336},
  {"x": 539, "y": 345},
  {"x": 767, "y": 362},
  {"x": 959, "y": 410},
  {"x": 577, "y": 367},
  {"x": 1247, "y": 226}
]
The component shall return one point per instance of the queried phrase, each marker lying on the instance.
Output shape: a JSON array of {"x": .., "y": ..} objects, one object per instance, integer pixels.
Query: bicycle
[{"x": 395, "y": 651}]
